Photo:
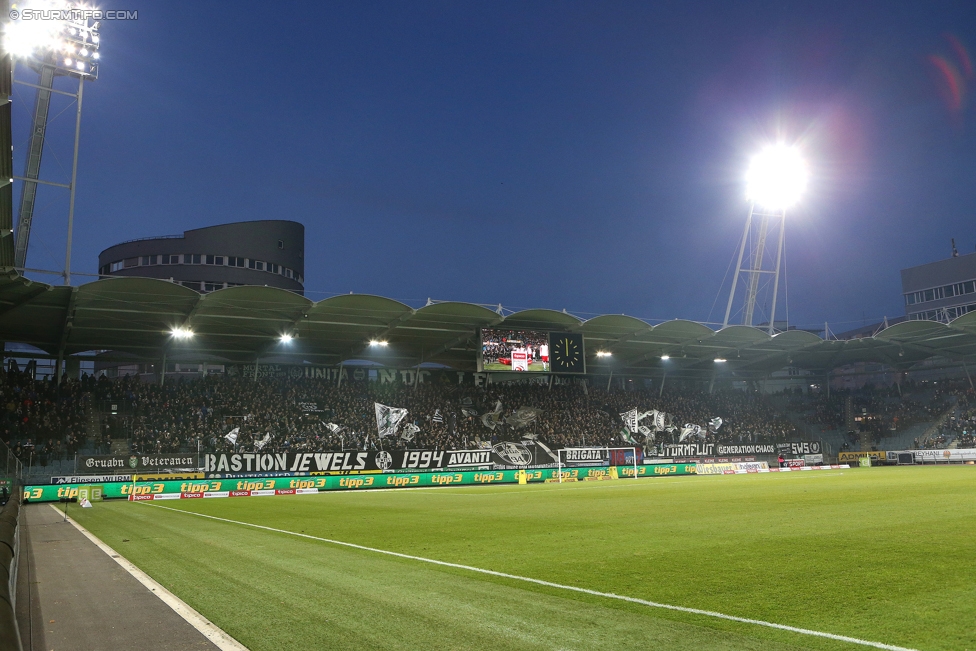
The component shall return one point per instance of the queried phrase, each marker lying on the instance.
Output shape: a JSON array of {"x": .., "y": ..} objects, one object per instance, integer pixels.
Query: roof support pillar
[
  {"x": 257, "y": 362},
  {"x": 162, "y": 369},
  {"x": 660, "y": 392},
  {"x": 968, "y": 376}
]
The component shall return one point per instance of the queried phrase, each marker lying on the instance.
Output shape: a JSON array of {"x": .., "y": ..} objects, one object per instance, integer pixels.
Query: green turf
[{"x": 883, "y": 554}]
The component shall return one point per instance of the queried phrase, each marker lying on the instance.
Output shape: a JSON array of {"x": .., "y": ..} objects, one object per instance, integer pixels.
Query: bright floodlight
[
  {"x": 377, "y": 343},
  {"x": 665, "y": 357},
  {"x": 181, "y": 333},
  {"x": 777, "y": 177},
  {"x": 604, "y": 353},
  {"x": 285, "y": 338},
  {"x": 719, "y": 360},
  {"x": 54, "y": 31}
]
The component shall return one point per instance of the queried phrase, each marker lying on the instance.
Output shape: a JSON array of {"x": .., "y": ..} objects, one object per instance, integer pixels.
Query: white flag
[
  {"x": 388, "y": 419},
  {"x": 409, "y": 432},
  {"x": 231, "y": 436},
  {"x": 259, "y": 445},
  {"x": 631, "y": 420},
  {"x": 714, "y": 424},
  {"x": 688, "y": 431}
]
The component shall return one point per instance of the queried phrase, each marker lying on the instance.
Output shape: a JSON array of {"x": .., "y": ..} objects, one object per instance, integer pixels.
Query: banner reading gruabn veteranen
[{"x": 102, "y": 462}]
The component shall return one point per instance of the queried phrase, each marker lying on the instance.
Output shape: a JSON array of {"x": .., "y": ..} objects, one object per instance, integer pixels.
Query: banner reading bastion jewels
[{"x": 504, "y": 455}]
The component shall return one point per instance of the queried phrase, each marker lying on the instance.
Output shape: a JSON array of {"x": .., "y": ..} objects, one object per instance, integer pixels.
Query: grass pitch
[{"x": 883, "y": 554}]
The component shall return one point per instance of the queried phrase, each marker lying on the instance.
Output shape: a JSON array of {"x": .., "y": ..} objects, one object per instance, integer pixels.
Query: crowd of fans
[{"x": 41, "y": 421}]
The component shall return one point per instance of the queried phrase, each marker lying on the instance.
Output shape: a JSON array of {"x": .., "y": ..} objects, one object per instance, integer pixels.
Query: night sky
[{"x": 586, "y": 156}]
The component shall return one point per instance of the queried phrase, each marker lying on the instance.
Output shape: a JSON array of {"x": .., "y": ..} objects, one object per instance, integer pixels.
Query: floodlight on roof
[
  {"x": 777, "y": 177},
  {"x": 285, "y": 338},
  {"x": 181, "y": 333},
  {"x": 604, "y": 353},
  {"x": 374, "y": 342},
  {"x": 665, "y": 357},
  {"x": 719, "y": 360}
]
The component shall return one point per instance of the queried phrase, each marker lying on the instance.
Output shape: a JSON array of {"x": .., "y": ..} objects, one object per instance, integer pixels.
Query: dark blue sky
[{"x": 586, "y": 156}]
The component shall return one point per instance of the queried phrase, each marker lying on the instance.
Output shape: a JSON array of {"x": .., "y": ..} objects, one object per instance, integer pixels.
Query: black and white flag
[
  {"x": 388, "y": 419},
  {"x": 714, "y": 424},
  {"x": 409, "y": 432},
  {"x": 231, "y": 436},
  {"x": 259, "y": 445}
]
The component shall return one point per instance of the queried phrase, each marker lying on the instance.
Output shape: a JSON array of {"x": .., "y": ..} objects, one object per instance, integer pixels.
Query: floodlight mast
[
  {"x": 776, "y": 179},
  {"x": 53, "y": 41}
]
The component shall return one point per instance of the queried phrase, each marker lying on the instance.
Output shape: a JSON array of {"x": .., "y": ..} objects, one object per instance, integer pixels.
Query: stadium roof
[{"x": 136, "y": 317}]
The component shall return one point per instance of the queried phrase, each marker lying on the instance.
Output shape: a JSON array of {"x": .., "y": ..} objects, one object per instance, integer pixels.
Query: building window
[
  {"x": 130, "y": 262},
  {"x": 171, "y": 259},
  {"x": 273, "y": 268},
  {"x": 259, "y": 265},
  {"x": 192, "y": 258},
  {"x": 192, "y": 284},
  {"x": 115, "y": 266},
  {"x": 235, "y": 262},
  {"x": 287, "y": 272},
  {"x": 212, "y": 287},
  {"x": 149, "y": 259},
  {"x": 281, "y": 244}
]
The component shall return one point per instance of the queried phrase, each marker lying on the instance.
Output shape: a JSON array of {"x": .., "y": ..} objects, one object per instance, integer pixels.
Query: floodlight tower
[
  {"x": 777, "y": 177},
  {"x": 53, "y": 39}
]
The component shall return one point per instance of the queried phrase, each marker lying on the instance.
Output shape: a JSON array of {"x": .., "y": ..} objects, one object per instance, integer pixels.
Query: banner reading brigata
[{"x": 102, "y": 462}]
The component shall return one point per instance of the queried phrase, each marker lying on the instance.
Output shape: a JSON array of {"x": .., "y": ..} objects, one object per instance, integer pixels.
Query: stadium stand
[{"x": 46, "y": 426}]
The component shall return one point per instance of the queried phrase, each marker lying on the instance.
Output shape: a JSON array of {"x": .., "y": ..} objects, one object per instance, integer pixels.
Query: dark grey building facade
[
  {"x": 267, "y": 252},
  {"x": 940, "y": 291}
]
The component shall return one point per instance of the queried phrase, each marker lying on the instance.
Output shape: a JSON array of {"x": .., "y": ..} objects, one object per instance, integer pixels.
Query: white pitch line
[
  {"x": 208, "y": 629},
  {"x": 607, "y": 595}
]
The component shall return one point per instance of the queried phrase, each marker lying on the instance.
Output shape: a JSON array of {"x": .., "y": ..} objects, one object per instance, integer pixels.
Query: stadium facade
[
  {"x": 269, "y": 253},
  {"x": 941, "y": 290}
]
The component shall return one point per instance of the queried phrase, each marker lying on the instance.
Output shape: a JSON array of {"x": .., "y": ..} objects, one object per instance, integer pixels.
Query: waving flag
[{"x": 388, "y": 419}]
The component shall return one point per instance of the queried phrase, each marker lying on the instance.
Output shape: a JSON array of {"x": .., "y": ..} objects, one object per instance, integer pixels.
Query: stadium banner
[
  {"x": 745, "y": 450},
  {"x": 502, "y": 455},
  {"x": 586, "y": 457},
  {"x": 799, "y": 448},
  {"x": 855, "y": 457},
  {"x": 407, "y": 376},
  {"x": 813, "y": 459},
  {"x": 731, "y": 468},
  {"x": 96, "y": 462},
  {"x": 689, "y": 450},
  {"x": 258, "y": 487},
  {"x": 89, "y": 479},
  {"x": 942, "y": 456}
]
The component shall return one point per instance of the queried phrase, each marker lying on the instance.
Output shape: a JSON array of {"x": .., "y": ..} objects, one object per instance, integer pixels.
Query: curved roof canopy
[{"x": 137, "y": 317}]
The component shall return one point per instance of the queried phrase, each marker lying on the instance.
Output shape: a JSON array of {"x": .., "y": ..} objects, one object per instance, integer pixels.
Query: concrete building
[
  {"x": 267, "y": 252},
  {"x": 940, "y": 291}
]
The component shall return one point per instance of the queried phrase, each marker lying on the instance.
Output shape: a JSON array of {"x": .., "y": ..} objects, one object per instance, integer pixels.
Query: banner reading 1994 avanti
[{"x": 260, "y": 486}]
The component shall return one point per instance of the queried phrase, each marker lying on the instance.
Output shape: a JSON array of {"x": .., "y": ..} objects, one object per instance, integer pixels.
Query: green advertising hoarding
[{"x": 272, "y": 485}]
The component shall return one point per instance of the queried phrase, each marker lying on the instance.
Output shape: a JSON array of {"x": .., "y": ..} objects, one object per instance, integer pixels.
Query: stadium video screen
[{"x": 514, "y": 350}]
